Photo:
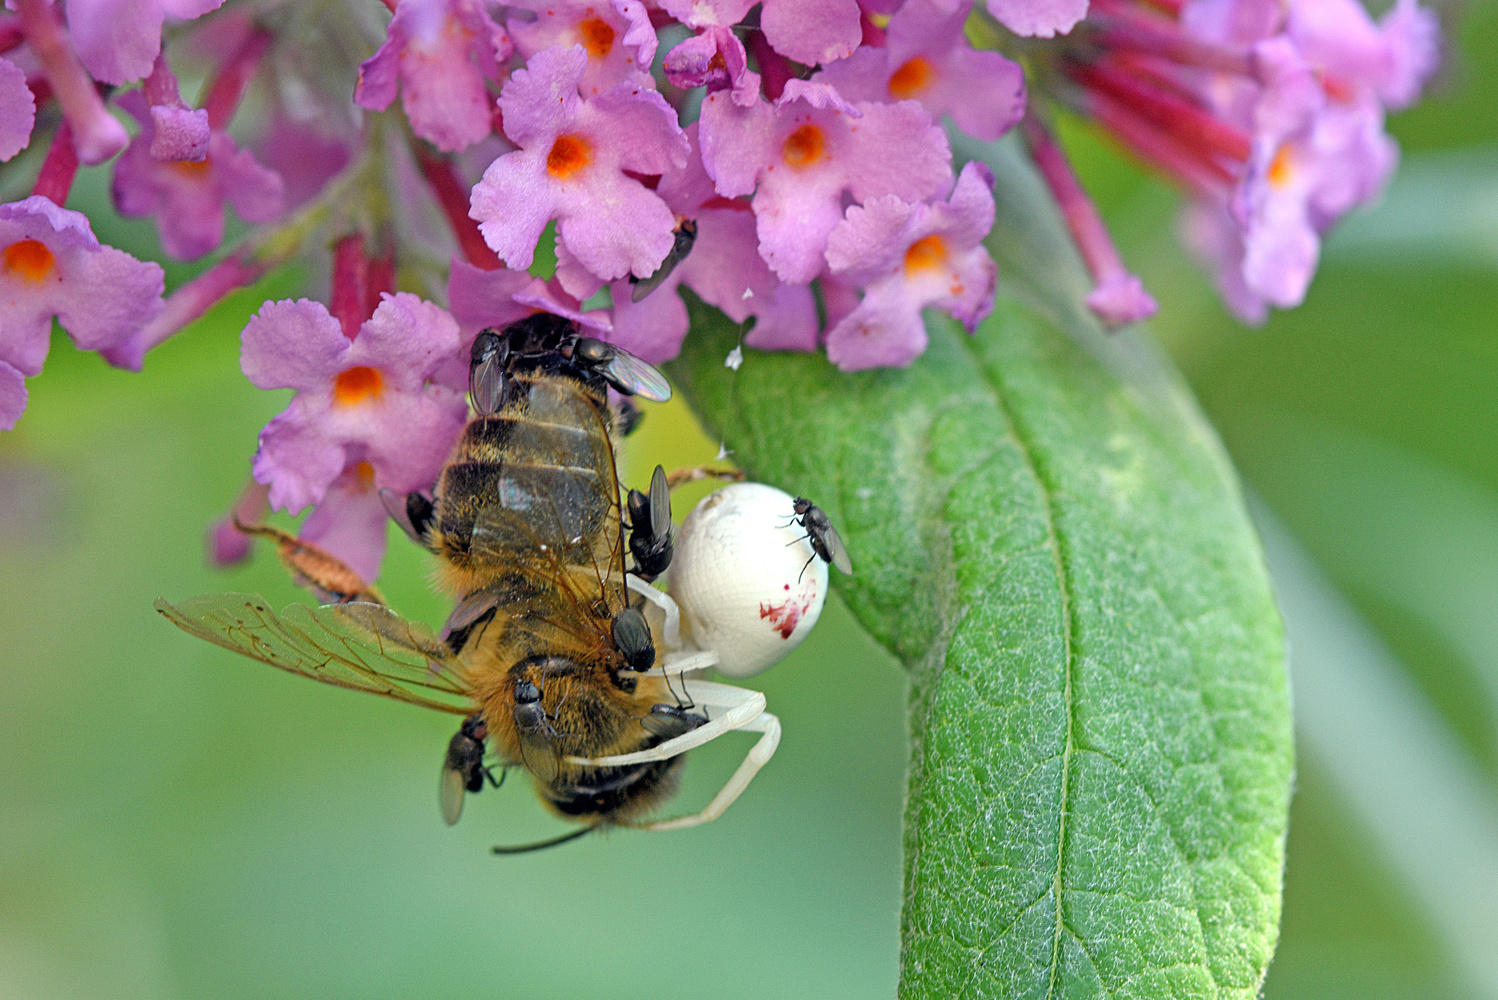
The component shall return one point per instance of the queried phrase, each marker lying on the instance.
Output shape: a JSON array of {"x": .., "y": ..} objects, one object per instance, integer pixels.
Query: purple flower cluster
[
  {"x": 804, "y": 142},
  {"x": 1269, "y": 113}
]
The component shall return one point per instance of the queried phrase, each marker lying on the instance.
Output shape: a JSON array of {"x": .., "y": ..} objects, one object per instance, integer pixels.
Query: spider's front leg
[
  {"x": 741, "y": 707},
  {"x": 744, "y": 710},
  {"x": 759, "y": 755}
]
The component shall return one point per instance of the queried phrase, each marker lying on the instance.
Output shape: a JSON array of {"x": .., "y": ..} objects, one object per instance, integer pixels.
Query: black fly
[{"x": 824, "y": 538}]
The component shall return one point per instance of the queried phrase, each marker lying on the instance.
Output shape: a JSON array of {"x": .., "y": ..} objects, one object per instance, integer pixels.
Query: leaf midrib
[{"x": 1063, "y": 582}]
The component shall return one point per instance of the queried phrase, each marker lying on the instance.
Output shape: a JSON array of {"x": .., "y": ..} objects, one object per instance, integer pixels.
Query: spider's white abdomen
[{"x": 741, "y": 577}]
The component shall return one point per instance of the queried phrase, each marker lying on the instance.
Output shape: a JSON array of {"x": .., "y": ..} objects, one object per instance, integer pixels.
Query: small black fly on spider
[{"x": 825, "y": 541}]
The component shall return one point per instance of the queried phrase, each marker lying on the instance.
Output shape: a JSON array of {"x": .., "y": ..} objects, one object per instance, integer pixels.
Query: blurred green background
[{"x": 176, "y": 821}]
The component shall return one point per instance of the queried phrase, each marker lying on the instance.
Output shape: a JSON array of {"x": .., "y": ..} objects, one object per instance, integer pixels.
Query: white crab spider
[{"x": 744, "y": 591}]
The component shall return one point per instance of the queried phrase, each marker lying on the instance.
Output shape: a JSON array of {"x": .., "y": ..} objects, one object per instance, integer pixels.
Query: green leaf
[{"x": 1047, "y": 533}]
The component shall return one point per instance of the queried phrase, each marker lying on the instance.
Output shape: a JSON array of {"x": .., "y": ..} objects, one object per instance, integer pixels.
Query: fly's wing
[
  {"x": 640, "y": 378},
  {"x": 363, "y": 647},
  {"x": 837, "y": 550},
  {"x": 450, "y": 794}
]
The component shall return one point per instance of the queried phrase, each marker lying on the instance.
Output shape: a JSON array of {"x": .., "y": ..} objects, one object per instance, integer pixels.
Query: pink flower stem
[
  {"x": 1159, "y": 148},
  {"x": 350, "y": 277},
  {"x": 445, "y": 184},
  {"x": 96, "y": 133},
  {"x": 59, "y": 168},
  {"x": 1124, "y": 28},
  {"x": 1171, "y": 113},
  {"x": 774, "y": 68},
  {"x": 233, "y": 78},
  {"x": 379, "y": 278},
  {"x": 161, "y": 85},
  {"x": 1087, "y": 228},
  {"x": 184, "y": 305},
  {"x": 1171, "y": 7}
]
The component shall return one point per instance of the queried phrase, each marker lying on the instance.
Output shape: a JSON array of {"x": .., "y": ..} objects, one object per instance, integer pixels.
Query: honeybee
[{"x": 548, "y": 652}]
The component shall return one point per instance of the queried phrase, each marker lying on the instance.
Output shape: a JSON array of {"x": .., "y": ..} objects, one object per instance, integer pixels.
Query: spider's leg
[
  {"x": 742, "y": 707},
  {"x": 758, "y": 756}
]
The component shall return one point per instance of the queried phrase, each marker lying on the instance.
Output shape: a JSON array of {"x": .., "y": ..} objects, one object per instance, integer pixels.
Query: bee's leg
[
  {"x": 742, "y": 707},
  {"x": 758, "y": 756},
  {"x": 315, "y": 568},
  {"x": 694, "y": 473}
]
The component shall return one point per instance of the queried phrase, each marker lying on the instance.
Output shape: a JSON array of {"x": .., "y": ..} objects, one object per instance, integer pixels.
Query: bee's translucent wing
[
  {"x": 363, "y": 647},
  {"x": 629, "y": 374}
]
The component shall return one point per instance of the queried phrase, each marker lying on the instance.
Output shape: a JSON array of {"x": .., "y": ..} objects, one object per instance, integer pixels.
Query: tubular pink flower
[
  {"x": 180, "y": 133},
  {"x": 925, "y": 58},
  {"x": 51, "y": 265},
  {"x": 1118, "y": 297},
  {"x": 438, "y": 53},
  {"x": 616, "y": 35},
  {"x": 187, "y": 199},
  {"x": 571, "y": 166},
  {"x": 1270, "y": 113},
  {"x": 908, "y": 257},
  {"x": 17, "y": 110},
  {"x": 800, "y": 155},
  {"x": 305, "y": 157},
  {"x": 370, "y": 399},
  {"x": 96, "y": 134},
  {"x": 713, "y": 58}
]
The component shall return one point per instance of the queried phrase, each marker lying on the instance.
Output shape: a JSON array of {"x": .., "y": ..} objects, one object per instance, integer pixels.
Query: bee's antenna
[{"x": 543, "y": 844}]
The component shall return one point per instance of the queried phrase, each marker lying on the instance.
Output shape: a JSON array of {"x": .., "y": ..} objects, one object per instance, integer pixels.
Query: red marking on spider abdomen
[{"x": 784, "y": 617}]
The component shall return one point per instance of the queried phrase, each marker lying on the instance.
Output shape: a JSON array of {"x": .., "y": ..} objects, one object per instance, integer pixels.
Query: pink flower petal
[
  {"x": 349, "y": 522},
  {"x": 17, "y": 110},
  {"x": 12, "y": 396},
  {"x": 292, "y": 345},
  {"x": 812, "y": 31},
  {"x": 1038, "y": 18}
]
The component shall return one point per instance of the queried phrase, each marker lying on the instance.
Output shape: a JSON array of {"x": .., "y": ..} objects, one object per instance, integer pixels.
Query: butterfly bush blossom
[{"x": 806, "y": 142}]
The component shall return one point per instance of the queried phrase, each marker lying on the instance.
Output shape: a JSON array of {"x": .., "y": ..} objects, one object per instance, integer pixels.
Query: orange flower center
[
  {"x": 804, "y": 147},
  {"x": 357, "y": 385},
  {"x": 191, "y": 168},
  {"x": 597, "y": 36},
  {"x": 1281, "y": 167},
  {"x": 363, "y": 476},
  {"x": 568, "y": 155},
  {"x": 30, "y": 259},
  {"x": 912, "y": 78},
  {"x": 926, "y": 253}
]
